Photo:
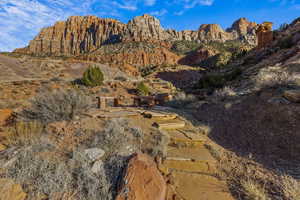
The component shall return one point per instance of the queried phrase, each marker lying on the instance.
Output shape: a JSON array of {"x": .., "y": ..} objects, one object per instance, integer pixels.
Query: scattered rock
[
  {"x": 94, "y": 154},
  {"x": 142, "y": 181},
  {"x": 97, "y": 167},
  {"x": 11, "y": 191},
  {"x": 292, "y": 95}
]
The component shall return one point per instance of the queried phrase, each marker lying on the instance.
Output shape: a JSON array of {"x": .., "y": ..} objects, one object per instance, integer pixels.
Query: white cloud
[
  {"x": 127, "y": 5},
  {"x": 149, "y": 2},
  {"x": 159, "y": 13}
]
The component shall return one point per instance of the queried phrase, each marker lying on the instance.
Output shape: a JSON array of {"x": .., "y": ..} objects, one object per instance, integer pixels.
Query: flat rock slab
[
  {"x": 170, "y": 125},
  {"x": 142, "y": 181},
  {"x": 189, "y": 153},
  {"x": 116, "y": 114},
  {"x": 189, "y": 166},
  {"x": 199, "y": 187},
  {"x": 180, "y": 137}
]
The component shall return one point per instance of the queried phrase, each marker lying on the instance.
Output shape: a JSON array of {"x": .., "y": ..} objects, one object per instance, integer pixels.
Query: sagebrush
[{"x": 57, "y": 106}]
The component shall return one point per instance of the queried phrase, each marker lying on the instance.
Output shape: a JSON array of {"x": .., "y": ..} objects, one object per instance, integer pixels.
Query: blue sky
[{"x": 21, "y": 20}]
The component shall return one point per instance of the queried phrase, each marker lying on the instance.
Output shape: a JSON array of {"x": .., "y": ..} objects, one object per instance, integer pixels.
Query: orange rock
[
  {"x": 5, "y": 114},
  {"x": 142, "y": 181},
  {"x": 11, "y": 191}
]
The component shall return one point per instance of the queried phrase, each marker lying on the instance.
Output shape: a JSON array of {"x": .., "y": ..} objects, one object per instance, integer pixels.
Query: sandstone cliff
[{"x": 79, "y": 35}]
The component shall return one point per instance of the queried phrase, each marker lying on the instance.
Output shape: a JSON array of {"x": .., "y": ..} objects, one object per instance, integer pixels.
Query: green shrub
[
  {"x": 286, "y": 42},
  {"x": 212, "y": 81},
  {"x": 216, "y": 81},
  {"x": 143, "y": 89},
  {"x": 93, "y": 76},
  {"x": 184, "y": 46}
]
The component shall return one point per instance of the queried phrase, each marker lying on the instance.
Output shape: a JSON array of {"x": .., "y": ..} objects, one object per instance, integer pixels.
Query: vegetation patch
[
  {"x": 93, "y": 76},
  {"x": 143, "y": 89},
  {"x": 58, "y": 105},
  {"x": 217, "y": 81}
]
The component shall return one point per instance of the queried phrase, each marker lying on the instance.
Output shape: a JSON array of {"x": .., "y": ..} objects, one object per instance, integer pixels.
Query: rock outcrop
[
  {"x": 142, "y": 181},
  {"x": 79, "y": 34}
]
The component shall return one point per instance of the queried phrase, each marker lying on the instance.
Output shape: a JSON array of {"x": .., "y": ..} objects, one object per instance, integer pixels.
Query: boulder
[
  {"x": 97, "y": 167},
  {"x": 142, "y": 181},
  {"x": 11, "y": 191},
  {"x": 292, "y": 95},
  {"x": 5, "y": 114},
  {"x": 94, "y": 154}
]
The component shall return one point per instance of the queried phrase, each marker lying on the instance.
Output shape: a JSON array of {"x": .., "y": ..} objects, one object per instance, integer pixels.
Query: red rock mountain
[{"x": 79, "y": 34}]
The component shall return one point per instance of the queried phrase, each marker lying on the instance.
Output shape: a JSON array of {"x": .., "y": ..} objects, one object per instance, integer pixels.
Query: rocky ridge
[{"x": 84, "y": 34}]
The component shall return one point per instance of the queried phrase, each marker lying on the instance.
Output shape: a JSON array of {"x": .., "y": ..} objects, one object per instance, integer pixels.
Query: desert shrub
[
  {"x": 57, "y": 106},
  {"x": 274, "y": 77},
  {"x": 217, "y": 81},
  {"x": 93, "y": 76},
  {"x": 118, "y": 138},
  {"x": 253, "y": 191},
  {"x": 24, "y": 133},
  {"x": 211, "y": 81},
  {"x": 224, "y": 93},
  {"x": 142, "y": 89},
  {"x": 290, "y": 187},
  {"x": 286, "y": 42},
  {"x": 181, "y": 99},
  {"x": 40, "y": 176},
  {"x": 160, "y": 143}
]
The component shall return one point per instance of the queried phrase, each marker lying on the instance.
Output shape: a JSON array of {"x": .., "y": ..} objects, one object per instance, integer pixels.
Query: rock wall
[{"x": 79, "y": 34}]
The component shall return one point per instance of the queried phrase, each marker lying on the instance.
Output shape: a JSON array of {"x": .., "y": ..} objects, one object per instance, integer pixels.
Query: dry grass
[
  {"x": 246, "y": 178},
  {"x": 39, "y": 176},
  {"x": 181, "y": 100},
  {"x": 224, "y": 93},
  {"x": 253, "y": 191},
  {"x": 24, "y": 133},
  {"x": 57, "y": 106},
  {"x": 290, "y": 187},
  {"x": 273, "y": 77}
]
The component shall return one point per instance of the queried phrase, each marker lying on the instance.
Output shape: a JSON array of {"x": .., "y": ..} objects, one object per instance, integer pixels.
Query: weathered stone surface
[
  {"x": 97, "y": 167},
  {"x": 292, "y": 95},
  {"x": 11, "y": 191},
  {"x": 264, "y": 35},
  {"x": 80, "y": 34},
  {"x": 142, "y": 181},
  {"x": 5, "y": 114},
  {"x": 94, "y": 154}
]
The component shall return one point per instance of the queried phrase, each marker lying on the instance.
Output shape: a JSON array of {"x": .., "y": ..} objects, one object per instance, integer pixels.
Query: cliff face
[{"x": 80, "y": 35}]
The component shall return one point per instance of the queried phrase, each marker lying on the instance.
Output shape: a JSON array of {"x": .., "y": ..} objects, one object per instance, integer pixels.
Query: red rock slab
[{"x": 142, "y": 181}]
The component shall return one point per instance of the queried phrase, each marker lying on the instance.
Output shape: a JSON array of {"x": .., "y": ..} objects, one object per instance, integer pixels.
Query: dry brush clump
[
  {"x": 24, "y": 133},
  {"x": 181, "y": 99},
  {"x": 224, "y": 93},
  {"x": 274, "y": 76},
  {"x": 58, "y": 105},
  {"x": 40, "y": 176},
  {"x": 290, "y": 187},
  {"x": 254, "y": 191}
]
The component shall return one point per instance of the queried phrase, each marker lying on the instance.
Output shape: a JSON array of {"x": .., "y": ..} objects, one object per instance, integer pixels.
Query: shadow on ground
[{"x": 255, "y": 127}]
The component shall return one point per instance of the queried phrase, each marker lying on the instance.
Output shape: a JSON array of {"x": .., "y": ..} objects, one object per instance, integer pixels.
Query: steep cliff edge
[{"x": 79, "y": 34}]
